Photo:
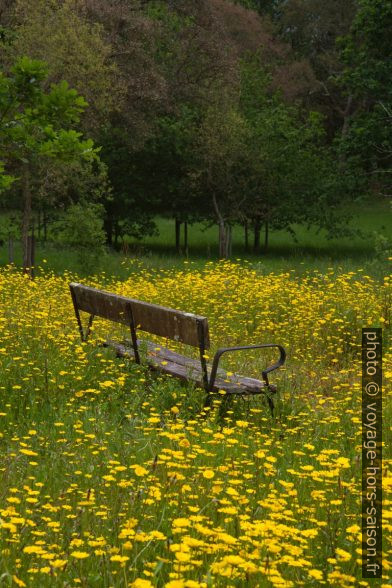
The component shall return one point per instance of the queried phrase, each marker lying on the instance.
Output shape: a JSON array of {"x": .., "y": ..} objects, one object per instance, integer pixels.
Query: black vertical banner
[{"x": 371, "y": 453}]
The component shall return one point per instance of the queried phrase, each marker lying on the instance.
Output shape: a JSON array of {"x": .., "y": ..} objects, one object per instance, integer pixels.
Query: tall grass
[{"x": 110, "y": 476}]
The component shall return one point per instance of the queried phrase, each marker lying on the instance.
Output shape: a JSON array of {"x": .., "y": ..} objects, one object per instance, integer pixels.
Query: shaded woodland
[{"x": 259, "y": 113}]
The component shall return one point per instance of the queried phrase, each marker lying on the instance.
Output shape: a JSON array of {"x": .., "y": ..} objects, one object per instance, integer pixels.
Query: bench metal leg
[
  {"x": 132, "y": 327},
  {"x": 271, "y": 405},
  {"x": 209, "y": 399}
]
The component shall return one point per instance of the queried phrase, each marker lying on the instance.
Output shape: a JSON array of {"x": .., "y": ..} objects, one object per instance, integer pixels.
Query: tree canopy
[{"x": 256, "y": 112}]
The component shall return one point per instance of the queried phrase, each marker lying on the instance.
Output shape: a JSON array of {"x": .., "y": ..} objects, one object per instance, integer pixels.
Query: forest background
[{"x": 265, "y": 115}]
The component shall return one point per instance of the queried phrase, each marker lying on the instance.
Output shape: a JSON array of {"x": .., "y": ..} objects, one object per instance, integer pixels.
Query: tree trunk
[
  {"x": 256, "y": 241},
  {"x": 346, "y": 116},
  {"x": 10, "y": 249},
  {"x": 45, "y": 226},
  {"x": 186, "y": 238},
  {"x": 39, "y": 225},
  {"x": 345, "y": 127},
  {"x": 224, "y": 232},
  {"x": 246, "y": 236},
  {"x": 27, "y": 201},
  {"x": 229, "y": 241},
  {"x": 178, "y": 235},
  {"x": 266, "y": 235},
  {"x": 224, "y": 240},
  {"x": 31, "y": 253}
]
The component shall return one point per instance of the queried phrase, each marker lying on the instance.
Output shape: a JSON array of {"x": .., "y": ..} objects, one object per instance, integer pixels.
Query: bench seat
[{"x": 185, "y": 368}]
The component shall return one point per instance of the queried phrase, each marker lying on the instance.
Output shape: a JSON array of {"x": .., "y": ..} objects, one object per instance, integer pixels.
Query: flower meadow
[{"x": 113, "y": 476}]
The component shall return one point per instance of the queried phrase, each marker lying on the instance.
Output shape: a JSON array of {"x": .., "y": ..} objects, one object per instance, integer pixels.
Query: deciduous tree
[
  {"x": 73, "y": 47},
  {"x": 36, "y": 124}
]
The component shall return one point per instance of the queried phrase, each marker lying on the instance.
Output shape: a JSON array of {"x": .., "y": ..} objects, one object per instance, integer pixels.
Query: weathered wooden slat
[
  {"x": 167, "y": 361},
  {"x": 170, "y": 355},
  {"x": 165, "y": 322},
  {"x": 166, "y": 354}
]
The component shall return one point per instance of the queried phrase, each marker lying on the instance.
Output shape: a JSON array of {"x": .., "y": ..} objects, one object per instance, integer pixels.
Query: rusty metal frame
[
  {"x": 83, "y": 334},
  {"x": 133, "y": 332},
  {"x": 89, "y": 325},
  {"x": 202, "y": 350},
  {"x": 264, "y": 373}
]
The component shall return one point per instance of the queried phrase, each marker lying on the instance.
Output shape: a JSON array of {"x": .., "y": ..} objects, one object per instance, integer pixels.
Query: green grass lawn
[
  {"x": 370, "y": 219},
  {"x": 310, "y": 250}
]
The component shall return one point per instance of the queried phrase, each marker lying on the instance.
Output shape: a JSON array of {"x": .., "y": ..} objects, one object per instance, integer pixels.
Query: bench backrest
[{"x": 184, "y": 327}]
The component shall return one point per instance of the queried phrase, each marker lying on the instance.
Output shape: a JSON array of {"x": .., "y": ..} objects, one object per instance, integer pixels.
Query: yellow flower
[
  {"x": 58, "y": 563},
  {"x": 141, "y": 583},
  {"x": 181, "y": 522},
  {"x": 260, "y": 454},
  {"x": 27, "y": 452},
  {"x": 353, "y": 529},
  {"x": 33, "y": 549},
  {"x": 182, "y": 556},
  {"x": 241, "y": 424},
  {"x": 80, "y": 554},
  {"x": 208, "y": 474},
  {"x": 140, "y": 471},
  {"x": 119, "y": 558},
  {"x": 107, "y": 384},
  {"x": 342, "y": 554},
  {"x": 316, "y": 574}
]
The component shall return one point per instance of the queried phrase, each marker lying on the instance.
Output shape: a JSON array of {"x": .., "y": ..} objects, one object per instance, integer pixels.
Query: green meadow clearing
[{"x": 310, "y": 249}]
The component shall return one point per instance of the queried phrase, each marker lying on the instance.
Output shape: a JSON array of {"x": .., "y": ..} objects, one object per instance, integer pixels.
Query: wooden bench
[{"x": 176, "y": 325}]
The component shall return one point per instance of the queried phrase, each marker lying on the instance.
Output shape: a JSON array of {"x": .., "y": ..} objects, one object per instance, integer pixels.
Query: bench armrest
[{"x": 264, "y": 373}]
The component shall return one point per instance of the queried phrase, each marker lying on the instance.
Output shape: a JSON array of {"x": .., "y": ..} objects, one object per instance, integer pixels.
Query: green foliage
[
  {"x": 7, "y": 36},
  {"x": 34, "y": 121},
  {"x": 81, "y": 226},
  {"x": 367, "y": 77},
  {"x": 159, "y": 11},
  {"x": 366, "y": 51},
  {"x": 73, "y": 48},
  {"x": 132, "y": 204},
  {"x": 9, "y": 226},
  {"x": 289, "y": 168},
  {"x": 380, "y": 263},
  {"x": 166, "y": 161},
  {"x": 36, "y": 124},
  {"x": 5, "y": 179},
  {"x": 383, "y": 246},
  {"x": 221, "y": 155},
  {"x": 262, "y": 6}
]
